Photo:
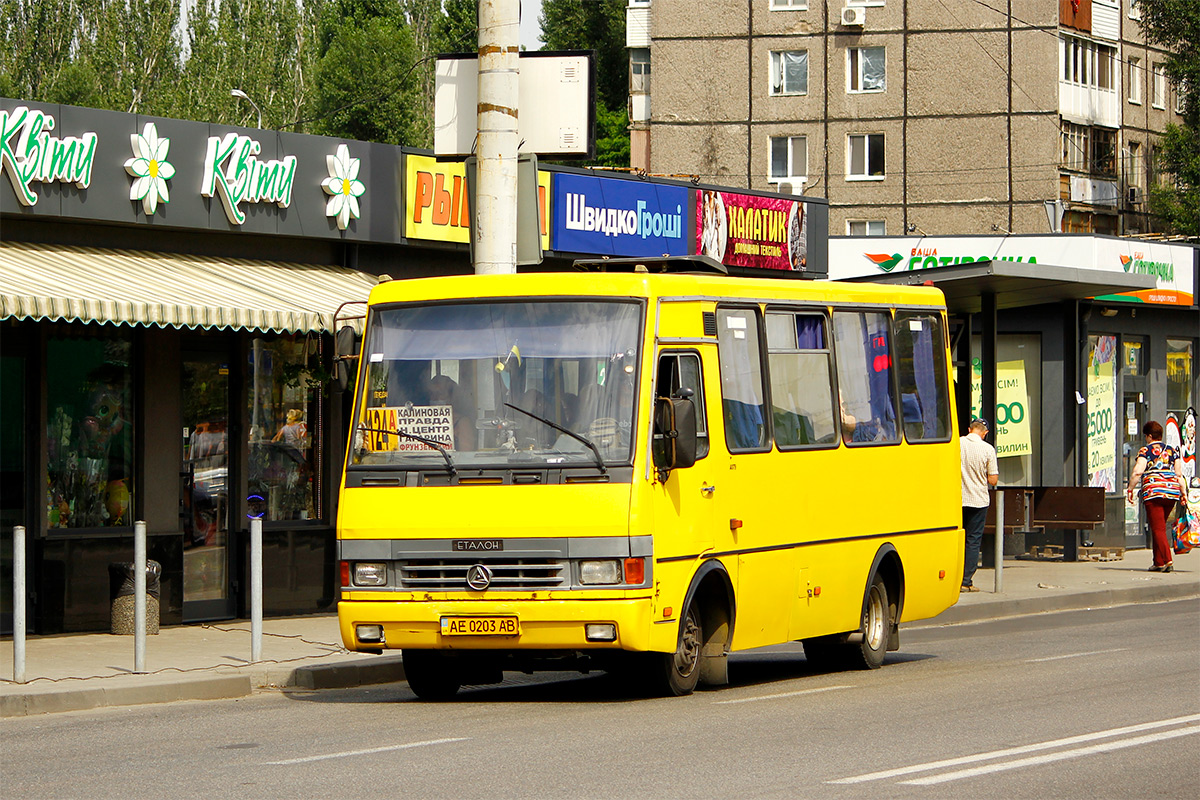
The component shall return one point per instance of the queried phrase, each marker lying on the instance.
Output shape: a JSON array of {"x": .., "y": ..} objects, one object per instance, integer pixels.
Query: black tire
[
  {"x": 875, "y": 628},
  {"x": 676, "y": 674},
  {"x": 431, "y": 675}
]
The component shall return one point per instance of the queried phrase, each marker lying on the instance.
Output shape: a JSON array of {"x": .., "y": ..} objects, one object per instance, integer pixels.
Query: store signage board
[
  {"x": 554, "y": 105},
  {"x": 609, "y": 216},
  {"x": 234, "y": 174},
  {"x": 29, "y": 152},
  {"x": 1172, "y": 265},
  {"x": 755, "y": 231}
]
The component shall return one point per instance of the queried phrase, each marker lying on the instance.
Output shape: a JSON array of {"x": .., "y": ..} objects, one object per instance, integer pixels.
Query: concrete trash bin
[{"x": 121, "y": 590}]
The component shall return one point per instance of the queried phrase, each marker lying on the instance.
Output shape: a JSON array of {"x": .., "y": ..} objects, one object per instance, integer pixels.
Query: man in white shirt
[{"x": 979, "y": 473}]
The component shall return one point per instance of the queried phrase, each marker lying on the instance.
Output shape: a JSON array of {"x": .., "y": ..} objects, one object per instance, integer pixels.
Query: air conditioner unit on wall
[
  {"x": 852, "y": 16},
  {"x": 1136, "y": 195}
]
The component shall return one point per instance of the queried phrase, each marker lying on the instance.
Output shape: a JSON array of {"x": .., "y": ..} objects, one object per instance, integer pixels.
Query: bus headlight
[
  {"x": 368, "y": 573},
  {"x": 599, "y": 573}
]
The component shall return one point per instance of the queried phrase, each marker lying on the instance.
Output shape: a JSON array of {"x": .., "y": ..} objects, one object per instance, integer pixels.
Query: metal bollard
[
  {"x": 19, "y": 603},
  {"x": 139, "y": 597},
  {"x": 256, "y": 590},
  {"x": 999, "y": 542}
]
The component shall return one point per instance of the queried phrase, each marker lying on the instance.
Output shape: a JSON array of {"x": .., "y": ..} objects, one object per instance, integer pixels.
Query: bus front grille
[{"x": 509, "y": 573}]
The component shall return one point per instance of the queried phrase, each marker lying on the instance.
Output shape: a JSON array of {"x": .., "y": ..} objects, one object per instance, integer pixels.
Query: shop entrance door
[
  {"x": 1134, "y": 411},
  {"x": 206, "y": 479}
]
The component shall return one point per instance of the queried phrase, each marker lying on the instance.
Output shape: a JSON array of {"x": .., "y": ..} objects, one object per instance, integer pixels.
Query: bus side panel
[{"x": 767, "y": 592}]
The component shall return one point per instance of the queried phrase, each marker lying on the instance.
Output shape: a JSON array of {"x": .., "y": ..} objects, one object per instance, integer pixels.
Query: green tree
[
  {"x": 598, "y": 26},
  {"x": 365, "y": 86},
  {"x": 1175, "y": 25}
]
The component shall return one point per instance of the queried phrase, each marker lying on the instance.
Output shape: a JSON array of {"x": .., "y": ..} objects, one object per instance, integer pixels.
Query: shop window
[
  {"x": 89, "y": 432},
  {"x": 789, "y": 72},
  {"x": 798, "y": 360},
  {"x": 1102, "y": 412},
  {"x": 1016, "y": 430},
  {"x": 865, "y": 156},
  {"x": 285, "y": 428},
  {"x": 864, "y": 372},
  {"x": 921, "y": 370},
  {"x": 866, "y": 69},
  {"x": 741, "y": 379},
  {"x": 1180, "y": 375}
]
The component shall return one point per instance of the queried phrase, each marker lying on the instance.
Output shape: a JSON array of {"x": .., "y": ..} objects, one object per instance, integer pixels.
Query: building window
[
  {"x": 1104, "y": 152},
  {"x": 865, "y": 156},
  {"x": 789, "y": 72},
  {"x": 1091, "y": 150},
  {"x": 789, "y": 5},
  {"x": 1135, "y": 80},
  {"x": 789, "y": 158},
  {"x": 639, "y": 69},
  {"x": 89, "y": 432},
  {"x": 285, "y": 430},
  {"x": 1133, "y": 168},
  {"x": 1159, "y": 98},
  {"x": 866, "y": 227},
  {"x": 1087, "y": 63},
  {"x": 865, "y": 2},
  {"x": 1180, "y": 371},
  {"x": 867, "y": 69},
  {"x": 1180, "y": 98},
  {"x": 1135, "y": 9}
]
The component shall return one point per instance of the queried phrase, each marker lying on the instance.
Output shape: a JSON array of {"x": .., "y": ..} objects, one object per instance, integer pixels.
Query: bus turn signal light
[
  {"x": 941, "y": 574},
  {"x": 635, "y": 570},
  {"x": 734, "y": 524},
  {"x": 345, "y": 574}
]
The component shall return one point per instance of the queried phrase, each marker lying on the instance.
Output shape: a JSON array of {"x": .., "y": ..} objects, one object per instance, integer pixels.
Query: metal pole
[
  {"x": 999, "y": 541},
  {"x": 255, "y": 590},
  {"x": 139, "y": 597},
  {"x": 496, "y": 193},
  {"x": 19, "y": 604}
]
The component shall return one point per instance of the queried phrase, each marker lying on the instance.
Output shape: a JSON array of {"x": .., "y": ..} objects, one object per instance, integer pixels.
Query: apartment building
[{"x": 983, "y": 116}]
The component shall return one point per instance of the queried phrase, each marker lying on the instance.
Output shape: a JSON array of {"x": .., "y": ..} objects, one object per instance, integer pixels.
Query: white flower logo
[
  {"x": 344, "y": 186},
  {"x": 151, "y": 168}
]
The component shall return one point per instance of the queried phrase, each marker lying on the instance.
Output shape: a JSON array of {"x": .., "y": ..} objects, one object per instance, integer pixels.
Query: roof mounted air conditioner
[{"x": 854, "y": 16}]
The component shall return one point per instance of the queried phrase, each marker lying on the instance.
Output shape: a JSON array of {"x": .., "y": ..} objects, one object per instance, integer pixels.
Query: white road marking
[
  {"x": 777, "y": 696},
  {"x": 365, "y": 752},
  {"x": 1013, "y": 751},
  {"x": 1052, "y": 757},
  {"x": 1076, "y": 655}
]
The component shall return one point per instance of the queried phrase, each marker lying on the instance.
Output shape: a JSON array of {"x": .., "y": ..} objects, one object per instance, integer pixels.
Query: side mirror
[
  {"x": 345, "y": 350},
  {"x": 675, "y": 437}
]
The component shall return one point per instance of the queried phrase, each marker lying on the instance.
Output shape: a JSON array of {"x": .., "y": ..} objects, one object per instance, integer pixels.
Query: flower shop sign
[
  {"x": 29, "y": 153},
  {"x": 232, "y": 173}
]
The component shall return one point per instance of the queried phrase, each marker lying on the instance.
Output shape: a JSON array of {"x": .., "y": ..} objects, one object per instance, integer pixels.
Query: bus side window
[
  {"x": 921, "y": 370},
  {"x": 799, "y": 363},
  {"x": 864, "y": 370},
  {"x": 682, "y": 371},
  {"x": 741, "y": 379}
]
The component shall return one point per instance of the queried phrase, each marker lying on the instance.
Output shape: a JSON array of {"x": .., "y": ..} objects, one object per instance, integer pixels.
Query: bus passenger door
[{"x": 683, "y": 506}]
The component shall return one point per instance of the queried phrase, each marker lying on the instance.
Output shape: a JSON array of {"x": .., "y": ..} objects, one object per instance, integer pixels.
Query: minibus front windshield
[{"x": 472, "y": 385}]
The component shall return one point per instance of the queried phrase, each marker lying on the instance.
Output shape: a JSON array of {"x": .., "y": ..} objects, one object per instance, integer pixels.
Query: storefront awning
[
  {"x": 57, "y": 282},
  {"x": 1015, "y": 283}
]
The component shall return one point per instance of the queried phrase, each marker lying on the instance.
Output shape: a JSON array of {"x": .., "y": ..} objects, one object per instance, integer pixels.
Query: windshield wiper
[
  {"x": 429, "y": 442},
  {"x": 568, "y": 432}
]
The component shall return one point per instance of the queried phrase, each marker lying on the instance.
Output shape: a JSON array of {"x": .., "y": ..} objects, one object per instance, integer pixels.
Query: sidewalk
[{"x": 200, "y": 662}]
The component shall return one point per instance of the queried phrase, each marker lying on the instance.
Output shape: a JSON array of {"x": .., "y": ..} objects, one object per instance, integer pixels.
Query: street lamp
[{"x": 246, "y": 97}]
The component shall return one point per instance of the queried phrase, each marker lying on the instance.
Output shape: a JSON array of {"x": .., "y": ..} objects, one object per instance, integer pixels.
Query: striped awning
[{"x": 59, "y": 282}]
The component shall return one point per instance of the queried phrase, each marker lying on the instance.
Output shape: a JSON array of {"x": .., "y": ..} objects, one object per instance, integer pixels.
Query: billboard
[
  {"x": 608, "y": 216},
  {"x": 742, "y": 230}
]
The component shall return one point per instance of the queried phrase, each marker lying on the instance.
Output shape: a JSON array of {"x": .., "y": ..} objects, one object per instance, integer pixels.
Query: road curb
[
  {"x": 53, "y": 698},
  {"x": 1101, "y": 598}
]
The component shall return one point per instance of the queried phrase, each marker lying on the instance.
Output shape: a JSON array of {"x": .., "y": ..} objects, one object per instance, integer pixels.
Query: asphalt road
[{"x": 1090, "y": 705}]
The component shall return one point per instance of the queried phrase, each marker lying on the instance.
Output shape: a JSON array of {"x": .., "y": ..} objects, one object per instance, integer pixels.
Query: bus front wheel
[
  {"x": 679, "y": 672},
  {"x": 431, "y": 675}
]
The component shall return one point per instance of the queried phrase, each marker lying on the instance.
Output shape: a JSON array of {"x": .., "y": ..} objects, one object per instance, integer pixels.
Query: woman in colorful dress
[{"x": 1159, "y": 472}]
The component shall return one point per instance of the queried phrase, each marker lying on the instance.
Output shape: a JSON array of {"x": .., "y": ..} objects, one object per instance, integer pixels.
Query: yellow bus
[{"x": 645, "y": 468}]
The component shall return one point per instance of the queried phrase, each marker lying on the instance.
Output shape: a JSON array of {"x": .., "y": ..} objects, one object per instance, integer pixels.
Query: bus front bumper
[{"x": 539, "y": 624}]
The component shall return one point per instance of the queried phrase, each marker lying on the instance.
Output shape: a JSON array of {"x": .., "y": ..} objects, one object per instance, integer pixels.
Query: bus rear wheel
[
  {"x": 431, "y": 675},
  {"x": 875, "y": 629},
  {"x": 678, "y": 672}
]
